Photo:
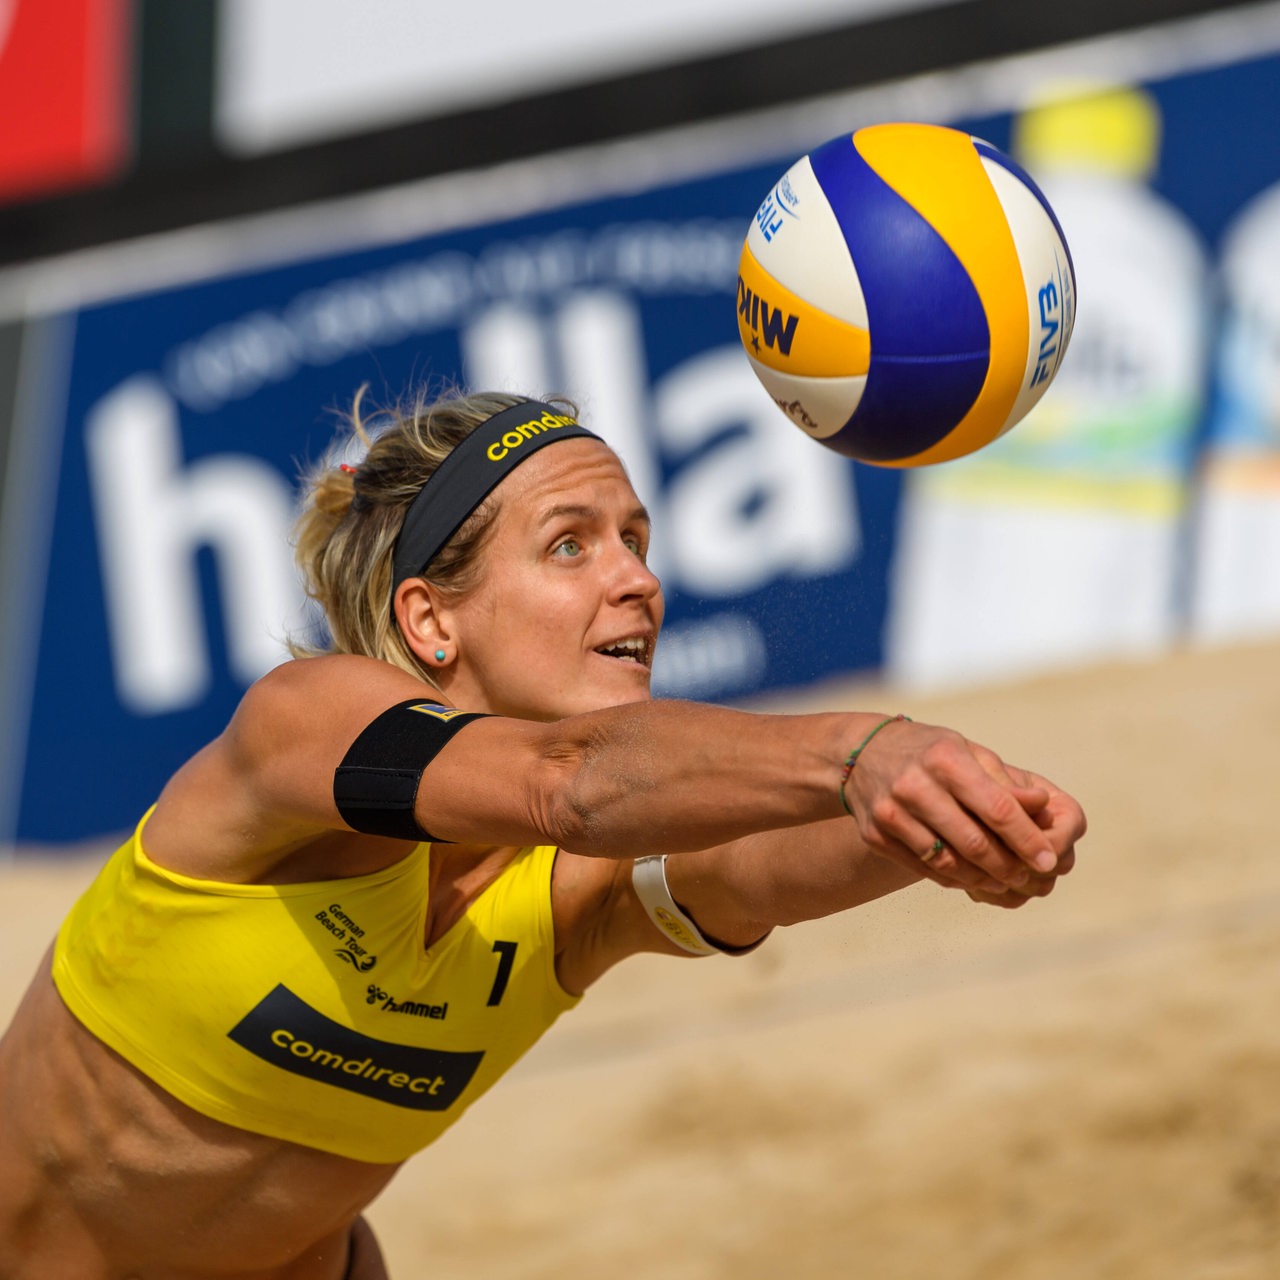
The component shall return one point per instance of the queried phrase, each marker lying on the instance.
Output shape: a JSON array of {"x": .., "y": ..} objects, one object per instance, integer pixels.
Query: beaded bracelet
[{"x": 852, "y": 758}]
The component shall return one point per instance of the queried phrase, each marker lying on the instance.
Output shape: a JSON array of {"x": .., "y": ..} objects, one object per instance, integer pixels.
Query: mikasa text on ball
[{"x": 905, "y": 294}]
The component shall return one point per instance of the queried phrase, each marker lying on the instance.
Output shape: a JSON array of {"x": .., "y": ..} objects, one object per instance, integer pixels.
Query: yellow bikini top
[{"x": 312, "y": 1012}]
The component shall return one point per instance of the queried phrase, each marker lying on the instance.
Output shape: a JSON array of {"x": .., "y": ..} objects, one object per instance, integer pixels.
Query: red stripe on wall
[{"x": 64, "y": 94}]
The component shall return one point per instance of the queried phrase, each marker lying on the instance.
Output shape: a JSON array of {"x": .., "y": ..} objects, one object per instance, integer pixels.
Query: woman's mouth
[{"x": 635, "y": 649}]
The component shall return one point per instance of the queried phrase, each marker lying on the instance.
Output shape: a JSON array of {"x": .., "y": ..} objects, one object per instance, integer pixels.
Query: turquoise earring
[{"x": 440, "y": 655}]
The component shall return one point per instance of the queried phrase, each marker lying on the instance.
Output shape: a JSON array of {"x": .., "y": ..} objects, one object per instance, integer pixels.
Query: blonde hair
[{"x": 345, "y": 538}]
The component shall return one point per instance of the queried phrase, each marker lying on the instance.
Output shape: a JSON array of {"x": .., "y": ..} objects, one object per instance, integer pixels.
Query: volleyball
[{"x": 905, "y": 294}]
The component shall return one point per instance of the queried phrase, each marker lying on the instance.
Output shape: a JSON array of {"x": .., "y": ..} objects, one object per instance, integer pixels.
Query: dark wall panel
[{"x": 181, "y": 178}]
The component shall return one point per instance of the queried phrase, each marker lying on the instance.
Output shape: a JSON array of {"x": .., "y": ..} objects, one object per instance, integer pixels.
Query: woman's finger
[{"x": 924, "y": 817}]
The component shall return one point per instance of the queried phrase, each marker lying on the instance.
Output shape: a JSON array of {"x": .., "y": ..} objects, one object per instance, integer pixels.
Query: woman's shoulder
[
  {"x": 348, "y": 670},
  {"x": 265, "y": 784},
  {"x": 329, "y": 685}
]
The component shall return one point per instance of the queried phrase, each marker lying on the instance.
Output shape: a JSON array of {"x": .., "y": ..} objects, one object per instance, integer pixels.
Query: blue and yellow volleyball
[{"x": 905, "y": 294}]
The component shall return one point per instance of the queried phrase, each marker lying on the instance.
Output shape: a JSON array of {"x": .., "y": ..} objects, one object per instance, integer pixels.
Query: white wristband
[{"x": 649, "y": 876}]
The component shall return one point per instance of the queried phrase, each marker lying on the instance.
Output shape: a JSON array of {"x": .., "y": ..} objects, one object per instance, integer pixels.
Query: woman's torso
[
  {"x": 318, "y": 1012},
  {"x": 103, "y": 1171}
]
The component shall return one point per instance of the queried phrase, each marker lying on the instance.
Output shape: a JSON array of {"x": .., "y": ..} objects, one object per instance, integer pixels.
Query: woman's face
[{"x": 566, "y": 614}]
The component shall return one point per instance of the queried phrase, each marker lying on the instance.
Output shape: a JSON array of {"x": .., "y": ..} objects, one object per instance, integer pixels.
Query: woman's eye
[
  {"x": 634, "y": 546},
  {"x": 569, "y": 547}
]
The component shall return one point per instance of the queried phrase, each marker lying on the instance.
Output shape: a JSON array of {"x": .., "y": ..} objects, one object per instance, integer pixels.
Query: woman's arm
[
  {"x": 664, "y": 777},
  {"x": 737, "y": 892},
  {"x": 629, "y": 780}
]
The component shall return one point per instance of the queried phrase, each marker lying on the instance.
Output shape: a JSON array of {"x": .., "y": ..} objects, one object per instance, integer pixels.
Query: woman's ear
[{"x": 424, "y": 622}]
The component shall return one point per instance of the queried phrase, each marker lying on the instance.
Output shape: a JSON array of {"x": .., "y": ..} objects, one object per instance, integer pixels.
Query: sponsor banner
[
  {"x": 64, "y": 94},
  {"x": 189, "y": 411},
  {"x": 1134, "y": 505}
]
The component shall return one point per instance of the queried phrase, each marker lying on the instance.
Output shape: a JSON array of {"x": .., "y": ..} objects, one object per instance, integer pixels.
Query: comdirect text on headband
[{"x": 514, "y": 438}]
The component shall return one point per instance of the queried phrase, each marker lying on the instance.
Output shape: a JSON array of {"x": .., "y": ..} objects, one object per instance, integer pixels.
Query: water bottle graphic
[
  {"x": 1062, "y": 541},
  {"x": 1236, "y": 585}
]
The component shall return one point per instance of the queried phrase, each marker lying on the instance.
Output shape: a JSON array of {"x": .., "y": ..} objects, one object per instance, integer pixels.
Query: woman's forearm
[{"x": 656, "y": 777}]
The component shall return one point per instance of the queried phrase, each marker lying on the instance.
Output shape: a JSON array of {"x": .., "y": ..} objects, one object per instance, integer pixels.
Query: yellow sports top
[{"x": 312, "y": 1012}]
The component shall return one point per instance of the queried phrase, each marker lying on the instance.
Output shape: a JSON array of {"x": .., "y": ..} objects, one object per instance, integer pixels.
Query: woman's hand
[
  {"x": 1063, "y": 821},
  {"x": 952, "y": 810},
  {"x": 1037, "y": 886}
]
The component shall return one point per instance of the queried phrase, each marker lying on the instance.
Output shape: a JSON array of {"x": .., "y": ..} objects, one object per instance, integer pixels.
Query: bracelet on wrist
[{"x": 851, "y": 759}]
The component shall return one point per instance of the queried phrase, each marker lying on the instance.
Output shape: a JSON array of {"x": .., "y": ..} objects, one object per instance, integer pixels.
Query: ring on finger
[{"x": 934, "y": 849}]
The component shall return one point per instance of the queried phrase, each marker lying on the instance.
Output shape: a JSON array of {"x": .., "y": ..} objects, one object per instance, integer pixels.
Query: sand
[{"x": 923, "y": 1088}]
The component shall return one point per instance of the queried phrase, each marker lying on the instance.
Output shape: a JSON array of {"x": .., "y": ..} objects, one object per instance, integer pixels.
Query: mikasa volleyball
[{"x": 905, "y": 294}]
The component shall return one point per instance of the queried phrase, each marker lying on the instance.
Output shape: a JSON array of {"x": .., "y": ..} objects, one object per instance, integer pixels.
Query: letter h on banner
[{"x": 153, "y": 515}]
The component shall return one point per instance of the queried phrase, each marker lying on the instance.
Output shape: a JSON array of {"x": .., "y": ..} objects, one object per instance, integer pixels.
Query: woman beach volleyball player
[{"x": 346, "y": 916}]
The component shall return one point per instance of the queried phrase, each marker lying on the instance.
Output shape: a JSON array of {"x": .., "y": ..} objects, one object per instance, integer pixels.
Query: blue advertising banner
[{"x": 190, "y": 411}]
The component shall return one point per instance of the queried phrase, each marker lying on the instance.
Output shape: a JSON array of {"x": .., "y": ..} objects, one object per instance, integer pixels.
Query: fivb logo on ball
[
  {"x": 905, "y": 294},
  {"x": 780, "y": 328},
  {"x": 769, "y": 324}
]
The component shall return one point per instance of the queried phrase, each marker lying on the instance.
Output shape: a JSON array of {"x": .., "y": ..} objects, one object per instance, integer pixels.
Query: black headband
[{"x": 469, "y": 474}]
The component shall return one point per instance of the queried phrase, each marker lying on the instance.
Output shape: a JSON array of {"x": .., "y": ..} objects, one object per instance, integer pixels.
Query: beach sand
[{"x": 924, "y": 1088}]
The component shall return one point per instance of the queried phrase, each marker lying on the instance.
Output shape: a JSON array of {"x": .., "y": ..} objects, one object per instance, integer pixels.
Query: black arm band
[{"x": 376, "y": 785}]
